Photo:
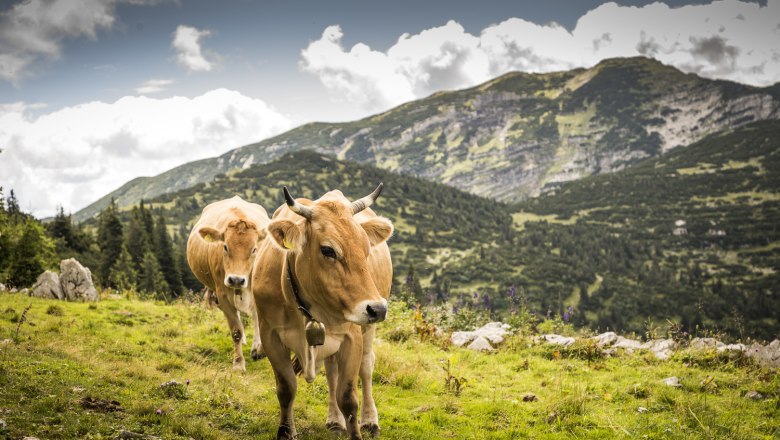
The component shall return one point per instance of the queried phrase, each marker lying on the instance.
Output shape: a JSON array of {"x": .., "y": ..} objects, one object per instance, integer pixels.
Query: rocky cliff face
[{"x": 513, "y": 137}]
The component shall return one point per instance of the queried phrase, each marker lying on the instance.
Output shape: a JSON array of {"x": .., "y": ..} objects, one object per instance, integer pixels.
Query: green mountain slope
[
  {"x": 691, "y": 236},
  {"x": 512, "y": 137}
]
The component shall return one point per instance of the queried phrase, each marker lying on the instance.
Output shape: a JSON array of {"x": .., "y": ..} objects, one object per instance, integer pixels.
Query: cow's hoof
[
  {"x": 285, "y": 433},
  {"x": 239, "y": 365},
  {"x": 371, "y": 429},
  {"x": 336, "y": 427},
  {"x": 257, "y": 354}
]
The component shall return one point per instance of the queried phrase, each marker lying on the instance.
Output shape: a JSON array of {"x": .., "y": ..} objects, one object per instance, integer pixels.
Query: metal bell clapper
[{"x": 315, "y": 333}]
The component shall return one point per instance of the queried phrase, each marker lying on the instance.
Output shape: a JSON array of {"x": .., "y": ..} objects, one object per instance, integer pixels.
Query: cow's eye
[
  {"x": 224, "y": 246},
  {"x": 254, "y": 251},
  {"x": 328, "y": 252}
]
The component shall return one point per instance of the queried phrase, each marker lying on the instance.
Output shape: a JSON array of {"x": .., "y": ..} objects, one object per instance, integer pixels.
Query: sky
[{"x": 94, "y": 93}]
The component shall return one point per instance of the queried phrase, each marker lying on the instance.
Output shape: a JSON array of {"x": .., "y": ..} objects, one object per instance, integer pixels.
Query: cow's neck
[{"x": 315, "y": 331}]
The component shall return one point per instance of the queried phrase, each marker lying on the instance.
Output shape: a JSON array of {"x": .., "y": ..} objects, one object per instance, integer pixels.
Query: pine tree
[
  {"x": 110, "y": 239},
  {"x": 152, "y": 280},
  {"x": 32, "y": 254},
  {"x": 137, "y": 241},
  {"x": 163, "y": 250},
  {"x": 123, "y": 274}
]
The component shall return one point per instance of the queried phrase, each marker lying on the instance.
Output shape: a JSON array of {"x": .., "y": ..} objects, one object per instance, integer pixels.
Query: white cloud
[
  {"x": 186, "y": 41},
  {"x": 76, "y": 155},
  {"x": 725, "y": 39},
  {"x": 35, "y": 29},
  {"x": 153, "y": 86}
]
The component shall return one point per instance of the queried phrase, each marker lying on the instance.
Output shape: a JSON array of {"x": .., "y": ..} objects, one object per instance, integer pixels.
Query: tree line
[{"x": 126, "y": 251}]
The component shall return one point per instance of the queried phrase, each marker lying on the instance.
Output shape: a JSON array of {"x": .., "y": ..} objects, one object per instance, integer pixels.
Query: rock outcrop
[
  {"x": 492, "y": 334},
  {"x": 47, "y": 286},
  {"x": 76, "y": 281}
]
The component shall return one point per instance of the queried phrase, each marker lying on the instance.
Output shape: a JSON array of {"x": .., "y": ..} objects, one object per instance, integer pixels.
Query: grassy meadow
[{"x": 92, "y": 371}]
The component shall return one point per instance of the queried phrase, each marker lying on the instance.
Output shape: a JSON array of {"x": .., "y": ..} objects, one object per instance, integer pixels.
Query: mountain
[
  {"x": 690, "y": 236},
  {"x": 513, "y": 137}
]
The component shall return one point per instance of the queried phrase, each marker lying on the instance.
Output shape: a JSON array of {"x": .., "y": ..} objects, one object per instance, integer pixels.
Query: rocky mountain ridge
[{"x": 513, "y": 137}]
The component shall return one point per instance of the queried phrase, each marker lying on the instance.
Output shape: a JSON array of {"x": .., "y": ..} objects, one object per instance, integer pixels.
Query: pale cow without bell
[{"x": 221, "y": 252}]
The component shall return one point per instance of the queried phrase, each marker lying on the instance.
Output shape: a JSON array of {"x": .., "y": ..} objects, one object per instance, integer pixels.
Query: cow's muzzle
[{"x": 235, "y": 281}]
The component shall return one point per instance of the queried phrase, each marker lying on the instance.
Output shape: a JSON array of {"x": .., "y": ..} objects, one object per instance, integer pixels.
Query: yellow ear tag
[
  {"x": 208, "y": 238},
  {"x": 286, "y": 244}
]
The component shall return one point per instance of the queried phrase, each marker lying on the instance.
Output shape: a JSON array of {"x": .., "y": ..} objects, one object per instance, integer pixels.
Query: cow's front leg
[
  {"x": 257, "y": 345},
  {"x": 335, "y": 421},
  {"x": 236, "y": 330},
  {"x": 349, "y": 363},
  {"x": 369, "y": 419},
  {"x": 286, "y": 382}
]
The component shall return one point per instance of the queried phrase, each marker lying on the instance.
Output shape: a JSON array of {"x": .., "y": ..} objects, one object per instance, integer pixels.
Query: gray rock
[
  {"x": 706, "y": 343},
  {"x": 731, "y": 347},
  {"x": 480, "y": 344},
  {"x": 76, "y": 281},
  {"x": 3, "y": 426},
  {"x": 557, "y": 339},
  {"x": 662, "y": 348},
  {"x": 673, "y": 381},
  {"x": 492, "y": 331},
  {"x": 460, "y": 339},
  {"x": 768, "y": 355},
  {"x": 47, "y": 286},
  {"x": 628, "y": 344},
  {"x": 2, "y": 287},
  {"x": 754, "y": 395},
  {"x": 605, "y": 339}
]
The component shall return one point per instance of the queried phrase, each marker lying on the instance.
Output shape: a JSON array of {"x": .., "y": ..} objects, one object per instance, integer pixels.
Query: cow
[
  {"x": 326, "y": 264},
  {"x": 221, "y": 252}
]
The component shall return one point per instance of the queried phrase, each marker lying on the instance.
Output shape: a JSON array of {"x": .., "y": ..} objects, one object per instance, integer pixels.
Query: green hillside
[
  {"x": 96, "y": 371},
  {"x": 511, "y": 137},
  {"x": 608, "y": 246}
]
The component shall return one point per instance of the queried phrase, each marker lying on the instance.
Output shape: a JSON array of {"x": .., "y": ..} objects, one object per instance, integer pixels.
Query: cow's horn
[
  {"x": 365, "y": 202},
  {"x": 302, "y": 210}
]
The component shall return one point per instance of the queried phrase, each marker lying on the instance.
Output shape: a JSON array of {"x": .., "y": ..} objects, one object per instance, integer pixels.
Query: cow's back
[{"x": 204, "y": 258}]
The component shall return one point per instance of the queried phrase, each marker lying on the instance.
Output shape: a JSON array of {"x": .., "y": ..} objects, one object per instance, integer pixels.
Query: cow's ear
[
  {"x": 378, "y": 229},
  {"x": 211, "y": 234},
  {"x": 286, "y": 234},
  {"x": 261, "y": 234}
]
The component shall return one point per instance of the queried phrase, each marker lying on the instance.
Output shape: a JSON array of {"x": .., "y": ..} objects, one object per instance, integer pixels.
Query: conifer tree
[
  {"x": 137, "y": 241},
  {"x": 110, "y": 239},
  {"x": 32, "y": 254},
  {"x": 123, "y": 275},
  {"x": 152, "y": 280},
  {"x": 163, "y": 250}
]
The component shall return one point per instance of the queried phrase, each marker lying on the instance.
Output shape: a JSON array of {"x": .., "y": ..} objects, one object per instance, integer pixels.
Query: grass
[{"x": 90, "y": 372}]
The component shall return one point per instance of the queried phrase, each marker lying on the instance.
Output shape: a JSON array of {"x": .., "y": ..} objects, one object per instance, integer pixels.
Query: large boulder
[
  {"x": 76, "y": 281},
  {"x": 47, "y": 286}
]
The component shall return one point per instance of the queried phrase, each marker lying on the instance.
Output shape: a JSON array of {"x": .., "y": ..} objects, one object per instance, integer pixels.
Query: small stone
[
  {"x": 754, "y": 395},
  {"x": 642, "y": 410},
  {"x": 557, "y": 339},
  {"x": 673, "y": 381},
  {"x": 480, "y": 344},
  {"x": 3, "y": 426},
  {"x": 530, "y": 397},
  {"x": 552, "y": 417}
]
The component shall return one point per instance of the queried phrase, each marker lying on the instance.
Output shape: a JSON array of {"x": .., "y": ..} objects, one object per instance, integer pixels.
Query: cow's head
[
  {"x": 239, "y": 242},
  {"x": 330, "y": 245}
]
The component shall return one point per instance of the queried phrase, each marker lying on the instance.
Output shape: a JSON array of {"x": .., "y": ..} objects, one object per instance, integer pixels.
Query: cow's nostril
[{"x": 376, "y": 312}]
